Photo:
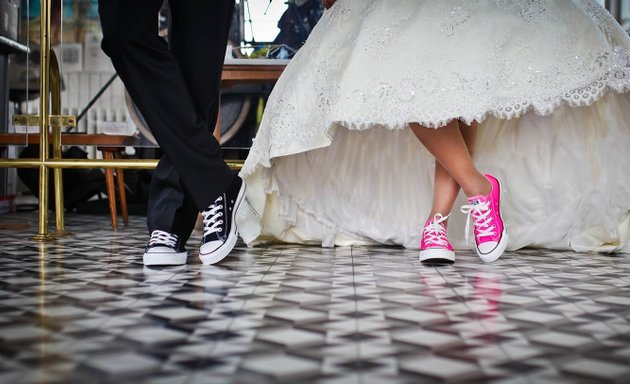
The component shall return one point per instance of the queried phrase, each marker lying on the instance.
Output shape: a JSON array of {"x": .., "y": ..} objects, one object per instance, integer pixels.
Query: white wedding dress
[{"x": 334, "y": 162}]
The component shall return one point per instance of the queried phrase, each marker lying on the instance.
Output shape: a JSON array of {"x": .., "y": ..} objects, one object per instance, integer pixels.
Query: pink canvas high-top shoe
[
  {"x": 490, "y": 232},
  {"x": 434, "y": 244}
]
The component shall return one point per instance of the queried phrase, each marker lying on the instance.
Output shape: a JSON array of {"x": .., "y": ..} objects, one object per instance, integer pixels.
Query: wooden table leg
[
  {"x": 122, "y": 195},
  {"x": 111, "y": 194},
  {"x": 217, "y": 127}
]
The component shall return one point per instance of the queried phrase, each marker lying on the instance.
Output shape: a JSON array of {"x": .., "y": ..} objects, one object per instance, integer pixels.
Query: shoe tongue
[{"x": 476, "y": 200}]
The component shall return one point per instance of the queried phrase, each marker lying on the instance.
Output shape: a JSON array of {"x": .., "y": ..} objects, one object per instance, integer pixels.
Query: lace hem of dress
[
  {"x": 282, "y": 130},
  {"x": 617, "y": 80}
]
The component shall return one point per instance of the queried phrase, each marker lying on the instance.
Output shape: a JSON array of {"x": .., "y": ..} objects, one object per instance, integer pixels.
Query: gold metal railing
[
  {"x": 49, "y": 118},
  {"x": 44, "y": 89}
]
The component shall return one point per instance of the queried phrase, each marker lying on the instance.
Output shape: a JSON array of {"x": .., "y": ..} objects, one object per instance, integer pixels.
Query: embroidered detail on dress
[
  {"x": 455, "y": 17},
  {"x": 528, "y": 10}
]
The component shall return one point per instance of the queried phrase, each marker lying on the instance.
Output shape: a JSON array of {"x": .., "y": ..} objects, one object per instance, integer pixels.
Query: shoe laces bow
[{"x": 479, "y": 211}]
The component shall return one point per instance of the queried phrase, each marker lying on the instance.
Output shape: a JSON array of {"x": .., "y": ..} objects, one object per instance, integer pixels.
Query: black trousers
[{"x": 176, "y": 86}]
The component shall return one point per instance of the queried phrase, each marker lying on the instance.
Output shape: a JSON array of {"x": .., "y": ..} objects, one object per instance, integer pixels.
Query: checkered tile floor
[{"x": 84, "y": 309}]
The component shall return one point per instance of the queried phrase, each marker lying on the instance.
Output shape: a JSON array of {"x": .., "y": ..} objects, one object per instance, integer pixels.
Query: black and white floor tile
[{"x": 84, "y": 309}]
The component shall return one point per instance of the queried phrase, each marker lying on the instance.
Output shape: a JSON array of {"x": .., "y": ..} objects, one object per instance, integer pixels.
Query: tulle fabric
[
  {"x": 334, "y": 162},
  {"x": 566, "y": 177}
]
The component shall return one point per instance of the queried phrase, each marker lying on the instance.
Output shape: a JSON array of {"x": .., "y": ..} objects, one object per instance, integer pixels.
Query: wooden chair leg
[
  {"x": 122, "y": 195},
  {"x": 111, "y": 194}
]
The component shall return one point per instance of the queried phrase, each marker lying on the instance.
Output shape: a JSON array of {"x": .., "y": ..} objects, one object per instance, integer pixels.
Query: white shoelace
[
  {"x": 163, "y": 238},
  {"x": 211, "y": 222},
  {"x": 480, "y": 213},
  {"x": 435, "y": 231}
]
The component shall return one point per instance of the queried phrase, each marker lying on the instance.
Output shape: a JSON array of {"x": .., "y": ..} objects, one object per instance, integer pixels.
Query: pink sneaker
[
  {"x": 490, "y": 232},
  {"x": 434, "y": 245}
]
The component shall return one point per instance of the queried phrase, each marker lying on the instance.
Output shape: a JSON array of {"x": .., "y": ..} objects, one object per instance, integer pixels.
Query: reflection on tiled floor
[{"x": 83, "y": 309}]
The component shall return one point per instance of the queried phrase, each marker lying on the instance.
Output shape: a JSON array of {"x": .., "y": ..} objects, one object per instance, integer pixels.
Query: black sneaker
[
  {"x": 219, "y": 226},
  {"x": 164, "y": 249}
]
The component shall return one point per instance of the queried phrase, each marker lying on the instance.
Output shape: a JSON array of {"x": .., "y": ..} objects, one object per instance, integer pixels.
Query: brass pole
[
  {"x": 81, "y": 163},
  {"x": 44, "y": 55},
  {"x": 55, "y": 98},
  {"x": 94, "y": 163}
]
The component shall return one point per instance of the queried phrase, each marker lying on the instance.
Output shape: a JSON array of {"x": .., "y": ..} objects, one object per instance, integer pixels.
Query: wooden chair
[
  {"x": 111, "y": 153},
  {"x": 111, "y": 146}
]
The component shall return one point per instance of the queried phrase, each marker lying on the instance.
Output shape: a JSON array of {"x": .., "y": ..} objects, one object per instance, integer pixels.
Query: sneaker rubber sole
[
  {"x": 437, "y": 254},
  {"x": 164, "y": 258}
]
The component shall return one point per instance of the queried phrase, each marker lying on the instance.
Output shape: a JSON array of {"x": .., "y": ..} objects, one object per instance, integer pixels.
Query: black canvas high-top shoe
[
  {"x": 164, "y": 248},
  {"x": 219, "y": 227}
]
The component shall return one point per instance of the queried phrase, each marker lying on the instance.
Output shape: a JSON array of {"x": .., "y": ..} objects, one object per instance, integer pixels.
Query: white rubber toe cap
[
  {"x": 437, "y": 254},
  {"x": 214, "y": 251},
  {"x": 210, "y": 247},
  {"x": 491, "y": 250}
]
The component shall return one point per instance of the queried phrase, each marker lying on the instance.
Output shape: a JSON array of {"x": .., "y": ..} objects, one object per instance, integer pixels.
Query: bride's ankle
[{"x": 480, "y": 187}]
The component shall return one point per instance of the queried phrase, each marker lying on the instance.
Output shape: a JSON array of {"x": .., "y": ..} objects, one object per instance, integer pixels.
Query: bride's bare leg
[
  {"x": 446, "y": 188},
  {"x": 448, "y": 146}
]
